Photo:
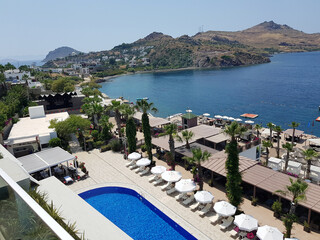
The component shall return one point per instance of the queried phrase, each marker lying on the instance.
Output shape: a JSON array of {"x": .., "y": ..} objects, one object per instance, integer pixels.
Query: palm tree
[
  {"x": 267, "y": 145},
  {"x": 297, "y": 190},
  {"x": 258, "y": 127},
  {"x": 293, "y": 125},
  {"x": 186, "y": 136},
  {"x": 197, "y": 158},
  {"x": 278, "y": 130},
  {"x": 93, "y": 109},
  {"x": 106, "y": 126},
  {"x": 117, "y": 107},
  {"x": 289, "y": 148},
  {"x": 233, "y": 185},
  {"x": 144, "y": 107},
  {"x": 308, "y": 155},
  {"x": 171, "y": 130},
  {"x": 270, "y": 125}
]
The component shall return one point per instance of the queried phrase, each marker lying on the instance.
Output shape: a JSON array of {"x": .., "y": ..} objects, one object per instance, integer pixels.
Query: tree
[
  {"x": 267, "y": 145},
  {"x": 3, "y": 81},
  {"x": 9, "y": 66},
  {"x": 278, "y": 130},
  {"x": 130, "y": 128},
  {"x": 117, "y": 107},
  {"x": 289, "y": 148},
  {"x": 197, "y": 158},
  {"x": 55, "y": 142},
  {"x": 258, "y": 127},
  {"x": 308, "y": 155},
  {"x": 270, "y": 125},
  {"x": 233, "y": 185},
  {"x": 62, "y": 85},
  {"x": 171, "y": 130},
  {"x": 297, "y": 189},
  {"x": 186, "y": 136},
  {"x": 93, "y": 109},
  {"x": 288, "y": 221},
  {"x": 106, "y": 127},
  {"x": 144, "y": 107},
  {"x": 294, "y": 125}
]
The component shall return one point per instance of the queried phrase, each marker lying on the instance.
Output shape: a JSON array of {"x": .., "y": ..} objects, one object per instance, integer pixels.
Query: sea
[{"x": 286, "y": 89}]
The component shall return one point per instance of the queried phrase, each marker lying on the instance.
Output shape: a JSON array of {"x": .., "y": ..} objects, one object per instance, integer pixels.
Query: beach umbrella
[
  {"x": 224, "y": 208},
  {"x": 134, "y": 156},
  {"x": 185, "y": 185},
  {"x": 246, "y": 222},
  {"x": 217, "y": 116},
  {"x": 238, "y": 119},
  {"x": 206, "y": 114},
  {"x": 269, "y": 233},
  {"x": 189, "y": 111},
  {"x": 231, "y": 118},
  {"x": 171, "y": 176},
  {"x": 249, "y": 121},
  {"x": 143, "y": 162},
  {"x": 158, "y": 170},
  {"x": 225, "y": 117},
  {"x": 203, "y": 197}
]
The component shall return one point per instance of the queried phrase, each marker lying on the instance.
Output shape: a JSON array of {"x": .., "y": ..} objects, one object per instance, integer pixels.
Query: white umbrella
[
  {"x": 189, "y": 111},
  {"x": 224, "y": 208},
  {"x": 249, "y": 121},
  {"x": 171, "y": 176},
  {"x": 134, "y": 156},
  {"x": 238, "y": 119},
  {"x": 206, "y": 114},
  {"x": 185, "y": 185},
  {"x": 203, "y": 197},
  {"x": 143, "y": 162},
  {"x": 158, "y": 170},
  {"x": 217, "y": 116},
  {"x": 269, "y": 233},
  {"x": 246, "y": 222},
  {"x": 231, "y": 118},
  {"x": 225, "y": 117}
]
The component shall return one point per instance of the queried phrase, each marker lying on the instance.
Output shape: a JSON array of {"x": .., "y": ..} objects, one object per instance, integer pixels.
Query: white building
[
  {"x": 34, "y": 84},
  {"x": 15, "y": 74},
  {"x": 31, "y": 133}
]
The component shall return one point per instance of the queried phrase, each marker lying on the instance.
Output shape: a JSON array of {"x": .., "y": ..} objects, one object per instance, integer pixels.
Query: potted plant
[
  {"x": 254, "y": 201},
  {"x": 277, "y": 208},
  {"x": 306, "y": 226},
  {"x": 210, "y": 182}
]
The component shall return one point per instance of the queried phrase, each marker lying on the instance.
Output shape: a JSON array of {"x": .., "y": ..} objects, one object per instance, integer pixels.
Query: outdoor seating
[
  {"x": 196, "y": 205},
  {"x": 130, "y": 163},
  {"x": 139, "y": 169},
  {"x": 215, "y": 218},
  {"x": 188, "y": 200},
  {"x": 180, "y": 196},
  {"x": 160, "y": 180},
  {"x": 205, "y": 210},
  {"x": 166, "y": 186},
  {"x": 172, "y": 190},
  {"x": 144, "y": 172},
  {"x": 226, "y": 223},
  {"x": 133, "y": 166},
  {"x": 153, "y": 178},
  {"x": 68, "y": 180}
]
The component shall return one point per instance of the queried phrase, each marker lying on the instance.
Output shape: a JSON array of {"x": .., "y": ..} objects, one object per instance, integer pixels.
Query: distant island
[
  {"x": 60, "y": 52},
  {"x": 210, "y": 49}
]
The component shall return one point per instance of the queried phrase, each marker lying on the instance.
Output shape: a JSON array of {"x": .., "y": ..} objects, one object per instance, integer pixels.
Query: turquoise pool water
[{"x": 134, "y": 214}]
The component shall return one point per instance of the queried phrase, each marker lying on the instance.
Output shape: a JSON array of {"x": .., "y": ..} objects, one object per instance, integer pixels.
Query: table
[{"x": 250, "y": 235}]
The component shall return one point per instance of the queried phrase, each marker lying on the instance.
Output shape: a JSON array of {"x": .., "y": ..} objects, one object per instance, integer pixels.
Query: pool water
[{"x": 133, "y": 214}]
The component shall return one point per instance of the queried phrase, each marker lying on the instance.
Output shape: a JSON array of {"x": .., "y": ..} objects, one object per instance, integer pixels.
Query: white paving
[{"x": 108, "y": 168}]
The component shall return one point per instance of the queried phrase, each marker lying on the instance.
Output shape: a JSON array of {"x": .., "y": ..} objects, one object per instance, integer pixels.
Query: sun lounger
[
  {"x": 130, "y": 163},
  {"x": 188, "y": 200},
  {"x": 133, "y": 166},
  {"x": 205, "y": 210},
  {"x": 194, "y": 206},
  {"x": 226, "y": 223},
  {"x": 144, "y": 172},
  {"x": 167, "y": 186},
  {"x": 153, "y": 178},
  {"x": 233, "y": 233},
  {"x": 181, "y": 196},
  {"x": 139, "y": 169},
  {"x": 215, "y": 218},
  {"x": 160, "y": 180},
  {"x": 172, "y": 190}
]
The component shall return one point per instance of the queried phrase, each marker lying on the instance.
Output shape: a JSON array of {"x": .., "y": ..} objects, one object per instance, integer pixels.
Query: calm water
[{"x": 285, "y": 90}]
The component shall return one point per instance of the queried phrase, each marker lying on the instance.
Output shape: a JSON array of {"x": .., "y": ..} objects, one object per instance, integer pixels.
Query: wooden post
[
  {"x": 309, "y": 215},
  {"x": 254, "y": 191},
  {"x": 211, "y": 177}
]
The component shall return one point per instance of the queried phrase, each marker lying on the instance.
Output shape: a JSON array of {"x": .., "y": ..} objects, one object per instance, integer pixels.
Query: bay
[{"x": 285, "y": 90}]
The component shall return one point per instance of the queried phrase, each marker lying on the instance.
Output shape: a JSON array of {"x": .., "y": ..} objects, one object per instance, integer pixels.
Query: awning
[
  {"x": 296, "y": 133},
  {"x": 47, "y": 158}
]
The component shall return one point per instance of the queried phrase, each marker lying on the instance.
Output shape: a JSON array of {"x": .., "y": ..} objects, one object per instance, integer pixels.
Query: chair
[
  {"x": 226, "y": 223},
  {"x": 205, "y": 210},
  {"x": 153, "y": 178},
  {"x": 233, "y": 233},
  {"x": 144, "y": 172},
  {"x": 215, "y": 218},
  {"x": 181, "y": 196},
  {"x": 139, "y": 169},
  {"x": 194, "y": 206},
  {"x": 133, "y": 166},
  {"x": 160, "y": 180},
  {"x": 188, "y": 200},
  {"x": 130, "y": 163},
  {"x": 167, "y": 186},
  {"x": 172, "y": 190}
]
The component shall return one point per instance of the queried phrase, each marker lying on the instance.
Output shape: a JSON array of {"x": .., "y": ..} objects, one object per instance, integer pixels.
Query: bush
[
  {"x": 277, "y": 208},
  {"x": 105, "y": 148},
  {"x": 95, "y": 134},
  {"x": 115, "y": 145},
  {"x": 99, "y": 143},
  {"x": 143, "y": 148},
  {"x": 55, "y": 142}
]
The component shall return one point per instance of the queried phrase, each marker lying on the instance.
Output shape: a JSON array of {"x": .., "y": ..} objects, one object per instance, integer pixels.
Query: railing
[{"x": 249, "y": 145}]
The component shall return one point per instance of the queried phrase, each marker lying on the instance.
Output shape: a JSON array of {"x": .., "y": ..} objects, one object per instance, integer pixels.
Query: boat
[
  {"x": 249, "y": 115},
  {"x": 145, "y": 98}
]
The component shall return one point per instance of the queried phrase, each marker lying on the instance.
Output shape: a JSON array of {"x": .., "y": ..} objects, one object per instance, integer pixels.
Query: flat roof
[
  {"x": 27, "y": 127},
  {"x": 221, "y": 137},
  {"x": 187, "y": 152},
  {"x": 153, "y": 121}
]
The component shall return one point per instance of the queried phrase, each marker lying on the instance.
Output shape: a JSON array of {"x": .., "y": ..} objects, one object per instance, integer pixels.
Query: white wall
[
  {"x": 251, "y": 153},
  {"x": 36, "y": 112}
]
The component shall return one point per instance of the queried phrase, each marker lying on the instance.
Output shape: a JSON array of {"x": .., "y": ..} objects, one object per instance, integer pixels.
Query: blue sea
[{"x": 285, "y": 90}]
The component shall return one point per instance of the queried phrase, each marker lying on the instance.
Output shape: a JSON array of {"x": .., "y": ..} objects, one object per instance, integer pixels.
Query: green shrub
[
  {"x": 105, "y": 148},
  {"x": 95, "y": 134},
  {"x": 277, "y": 207},
  {"x": 99, "y": 143},
  {"x": 55, "y": 142},
  {"x": 143, "y": 148},
  {"x": 115, "y": 145}
]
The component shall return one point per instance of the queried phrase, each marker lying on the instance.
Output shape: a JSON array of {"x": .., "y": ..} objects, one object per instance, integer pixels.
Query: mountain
[{"x": 60, "y": 52}]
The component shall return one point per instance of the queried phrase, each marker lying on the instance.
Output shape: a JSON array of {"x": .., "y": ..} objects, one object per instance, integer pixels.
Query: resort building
[{"x": 15, "y": 74}]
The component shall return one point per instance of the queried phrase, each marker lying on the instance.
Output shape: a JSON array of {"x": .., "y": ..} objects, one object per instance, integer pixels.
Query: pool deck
[{"x": 108, "y": 169}]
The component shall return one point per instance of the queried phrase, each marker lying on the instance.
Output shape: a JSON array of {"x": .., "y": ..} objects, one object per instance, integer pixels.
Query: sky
[{"x": 30, "y": 29}]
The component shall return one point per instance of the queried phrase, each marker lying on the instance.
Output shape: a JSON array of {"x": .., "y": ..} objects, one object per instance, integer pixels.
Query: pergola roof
[
  {"x": 42, "y": 160},
  {"x": 189, "y": 115},
  {"x": 221, "y": 137},
  {"x": 153, "y": 121},
  {"x": 296, "y": 133},
  {"x": 187, "y": 152}
]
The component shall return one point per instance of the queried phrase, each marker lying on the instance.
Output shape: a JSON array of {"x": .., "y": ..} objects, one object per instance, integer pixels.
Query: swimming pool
[{"x": 133, "y": 214}]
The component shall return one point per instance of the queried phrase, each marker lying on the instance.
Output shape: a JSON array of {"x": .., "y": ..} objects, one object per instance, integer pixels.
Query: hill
[{"x": 60, "y": 52}]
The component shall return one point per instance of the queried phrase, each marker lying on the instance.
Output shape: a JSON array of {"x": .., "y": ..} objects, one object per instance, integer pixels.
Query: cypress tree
[
  {"x": 131, "y": 135},
  {"x": 147, "y": 134}
]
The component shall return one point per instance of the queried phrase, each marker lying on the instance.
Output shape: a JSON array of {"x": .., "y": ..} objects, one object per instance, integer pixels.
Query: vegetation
[
  {"x": 197, "y": 158},
  {"x": 278, "y": 130},
  {"x": 293, "y": 125},
  {"x": 288, "y": 221},
  {"x": 115, "y": 145},
  {"x": 64, "y": 84},
  {"x": 267, "y": 145},
  {"x": 270, "y": 125},
  {"x": 233, "y": 185},
  {"x": 55, "y": 142},
  {"x": 277, "y": 208},
  {"x": 308, "y": 155},
  {"x": 258, "y": 127},
  {"x": 130, "y": 128},
  {"x": 93, "y": 109},
  {"x": 289, "y": 148},
  {"x": 171, "y": 130},
  {"x": 117, "y": 107},
  {"x": 186, "y": 136}
]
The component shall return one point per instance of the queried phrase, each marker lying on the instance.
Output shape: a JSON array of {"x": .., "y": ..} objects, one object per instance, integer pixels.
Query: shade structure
[
  {"x": 224, "y": 208},
  {"x": 217, "y": 116},
  {"x": 171, "y": 176},
  {"x": 143, "y": 162},
  {"x": 231, "y": 118},
  {"x": 246, "y": 222},
  {"x": 203, "y": 197},
  {"x": 238, "y": 119},
  {"x": 158, "y": 170},
  {"x": 269, "y": 233},
  {"x": 188, "y": 110},
  {"x": 134, "y": 156},
  {"x": 206, "y": 114},
  {"x": 225, "y": 117},
  {"x": 185, "y": 185},
  {"x": 249, "y": 121}
]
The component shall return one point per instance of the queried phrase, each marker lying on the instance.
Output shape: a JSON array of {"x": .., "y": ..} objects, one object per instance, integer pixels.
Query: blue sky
[{"x": 30, "y": 29}]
